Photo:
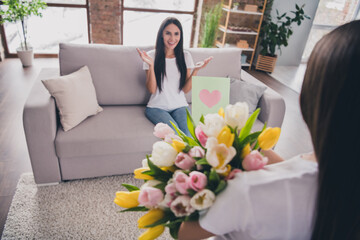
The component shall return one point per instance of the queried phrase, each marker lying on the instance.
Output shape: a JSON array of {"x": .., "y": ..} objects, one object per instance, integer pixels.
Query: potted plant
[
  {"x": 276, "y": 34},
  {"x": 18, "y": 11},
  {"x": 211, "y": 23}
]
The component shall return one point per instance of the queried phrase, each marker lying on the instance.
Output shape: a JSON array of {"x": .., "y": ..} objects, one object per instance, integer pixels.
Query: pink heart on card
[{"x": 210, "y": 99}]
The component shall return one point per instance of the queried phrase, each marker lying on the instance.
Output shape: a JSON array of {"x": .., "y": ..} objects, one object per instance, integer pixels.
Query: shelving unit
[{"x": 238, "y": 24}]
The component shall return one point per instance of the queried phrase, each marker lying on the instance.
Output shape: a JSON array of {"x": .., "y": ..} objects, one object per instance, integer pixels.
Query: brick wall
[{"x": 105, "y": 21}]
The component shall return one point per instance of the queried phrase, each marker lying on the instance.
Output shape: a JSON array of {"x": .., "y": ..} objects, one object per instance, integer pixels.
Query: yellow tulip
[
  {"x": 225, "y": 136},
  {"x": 268, "y": 138},
  {"x": 150, "y": 217},
  {"x": 139, "y": 175},
  {"x": 127, "y": 199},
  {"x": 171, "y": 168},
  {"x": 152, "y": 233},
  {"x": 178, "y": 145},
  {"x": 227, "y": 171},
  {"x": 245, "y": 151},
  {"x": 221, "y": 112}
]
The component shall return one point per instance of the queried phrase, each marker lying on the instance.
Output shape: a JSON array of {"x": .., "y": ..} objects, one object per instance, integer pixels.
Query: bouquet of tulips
[{"x": 184, "y": 174}]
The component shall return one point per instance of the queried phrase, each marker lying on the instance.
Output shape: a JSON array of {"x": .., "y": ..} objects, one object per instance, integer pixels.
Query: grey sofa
[{"x": 116, "y": 140}]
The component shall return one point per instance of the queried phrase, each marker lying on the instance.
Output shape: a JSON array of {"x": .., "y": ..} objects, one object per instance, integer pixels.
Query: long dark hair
[
  {"x": 159, "y": 63},
  {"x": 330, "y": 104}
]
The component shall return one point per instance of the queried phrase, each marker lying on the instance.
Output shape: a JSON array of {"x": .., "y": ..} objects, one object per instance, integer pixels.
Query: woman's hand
[
  {"x": 202, "y": 64},
  {"x": 145, "y": 57}
]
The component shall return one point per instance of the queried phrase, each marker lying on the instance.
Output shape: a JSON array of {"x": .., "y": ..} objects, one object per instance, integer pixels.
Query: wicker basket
[{"x": 266, "y": 63}]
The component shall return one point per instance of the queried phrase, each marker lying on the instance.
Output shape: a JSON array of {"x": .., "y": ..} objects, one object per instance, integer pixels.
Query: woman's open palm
[
  {"x": 145, "y": 57},
  {"x": 202, "y": 64}
]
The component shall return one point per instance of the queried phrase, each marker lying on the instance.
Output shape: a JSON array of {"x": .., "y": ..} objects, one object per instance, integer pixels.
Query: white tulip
[
  {"x": 237, "y": 115},
  {"x": 145, "y": 162},
  {"x": 163, "y": 154},
  {"x": 219, "y": 155},
  {"x": 181, "y": 206},
  {"x": 213, "y": 123},
  {"x": 150, "y": 183},
  {"x": 203, "y": 199}
]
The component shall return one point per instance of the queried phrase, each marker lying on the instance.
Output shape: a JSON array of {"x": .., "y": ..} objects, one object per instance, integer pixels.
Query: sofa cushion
[
  {"x": 116, "y": 71},
  {"x": 242, "y": 91},
  {"x": 118, "y": 129},
  {"x": 75, "y": 97}
]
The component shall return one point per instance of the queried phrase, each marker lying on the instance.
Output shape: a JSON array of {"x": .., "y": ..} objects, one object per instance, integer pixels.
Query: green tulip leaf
[
  {"x": 222, "y": 185},
  {"x": 248, "y": 125},
  {"x": 202, "y": 161},
  {"x": 130, "y": 188},
  {"x": 136, "y": 209}
]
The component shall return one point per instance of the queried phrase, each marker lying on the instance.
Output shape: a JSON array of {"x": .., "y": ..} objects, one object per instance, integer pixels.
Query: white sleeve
[
  {"x": 231, "y": 211},
  {"x": 189, "y": 60},
  {"x": 151, "y": 53}
]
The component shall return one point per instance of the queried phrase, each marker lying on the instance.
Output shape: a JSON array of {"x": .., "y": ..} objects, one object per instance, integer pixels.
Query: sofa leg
[{"x": 47, "y": 184}]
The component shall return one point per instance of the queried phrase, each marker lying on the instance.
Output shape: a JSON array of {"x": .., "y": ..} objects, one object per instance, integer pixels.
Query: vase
[
  {"x": 266, "y": 63},
  {"x": 26, "y": 56}
]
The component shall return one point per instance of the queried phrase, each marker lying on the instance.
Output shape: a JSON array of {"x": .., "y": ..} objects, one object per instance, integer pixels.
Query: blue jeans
[{"x": 177, "y": 116}]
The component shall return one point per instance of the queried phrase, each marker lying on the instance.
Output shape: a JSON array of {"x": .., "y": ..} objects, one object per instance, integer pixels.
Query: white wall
[{"x": 291, "y": 55}]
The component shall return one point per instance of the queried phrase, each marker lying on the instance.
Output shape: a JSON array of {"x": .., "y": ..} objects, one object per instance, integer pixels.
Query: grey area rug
[{"x": 80, "y": 209}]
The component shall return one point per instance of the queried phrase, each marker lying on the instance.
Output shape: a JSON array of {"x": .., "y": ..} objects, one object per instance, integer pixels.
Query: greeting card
[{"x": 209, "y": 94}]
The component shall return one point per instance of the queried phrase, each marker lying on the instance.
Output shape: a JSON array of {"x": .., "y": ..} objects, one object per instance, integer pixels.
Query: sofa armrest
[
  {"x": 271, "y": 103},
  {"x": 272, "y": 109},
  {"x": 40, "y": 126}
]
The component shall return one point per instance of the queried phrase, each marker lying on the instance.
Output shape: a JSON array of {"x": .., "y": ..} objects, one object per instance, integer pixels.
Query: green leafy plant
[
  {"x": 19, "y": 11},
  {"x": 273, "y": 35},
  {"x": 211, "y": 23}
]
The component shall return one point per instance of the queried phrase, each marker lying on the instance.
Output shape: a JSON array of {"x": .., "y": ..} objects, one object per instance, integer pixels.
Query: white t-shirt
[
  {"x": 170, "y": 97},
  {"x": 276, "y": 202}
]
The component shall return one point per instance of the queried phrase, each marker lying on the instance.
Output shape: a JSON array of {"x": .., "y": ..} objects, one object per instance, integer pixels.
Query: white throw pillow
[{"x": 75, "y": 97}]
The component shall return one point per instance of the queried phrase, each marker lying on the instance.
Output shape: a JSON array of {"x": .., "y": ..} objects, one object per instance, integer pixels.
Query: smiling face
[{"x": 171, "y": 36}]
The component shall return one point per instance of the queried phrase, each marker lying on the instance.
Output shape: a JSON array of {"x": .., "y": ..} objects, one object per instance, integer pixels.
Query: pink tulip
[
  {"x": 201, "y": 136},
  {"x": 254, "y": 161},
  {"x": 197, "y": 152},
  {"x": 150, "y": 197},
  {"x": 181, "y": 181},
  {"x": 198, "y": 180},
  {"x": 170, "y": 189},
  {"x": 170, "y": 137},
  {"x": 184, "y": 161},
  {"x": 232, "y": 174},
  {"x": 162, "y": 129}
]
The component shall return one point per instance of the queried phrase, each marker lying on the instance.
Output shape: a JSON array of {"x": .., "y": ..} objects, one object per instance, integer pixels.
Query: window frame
[
  {"x": 329, "y": 27},
  {"x": 47, "y": 55},
  {"x": 153, "y": 10}
]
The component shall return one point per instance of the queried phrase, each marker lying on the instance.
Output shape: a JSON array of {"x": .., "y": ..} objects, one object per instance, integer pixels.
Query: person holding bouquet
[
  {"x": 169, "y": 70},
  {"x": 305, "y": 197}
]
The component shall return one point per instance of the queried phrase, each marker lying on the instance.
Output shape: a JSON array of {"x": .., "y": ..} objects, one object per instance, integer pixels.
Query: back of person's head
[{"x": 330, "y": 104}]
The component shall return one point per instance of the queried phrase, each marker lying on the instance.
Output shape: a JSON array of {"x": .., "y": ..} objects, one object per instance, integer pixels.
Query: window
[
  {"x": 60, "y": 23},
  {"x": 329, "y": 15},
  {"x": 142, "y": 18}
]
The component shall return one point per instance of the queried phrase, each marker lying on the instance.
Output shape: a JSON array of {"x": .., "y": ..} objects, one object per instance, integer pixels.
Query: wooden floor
[{"x": 16, "y": 82}]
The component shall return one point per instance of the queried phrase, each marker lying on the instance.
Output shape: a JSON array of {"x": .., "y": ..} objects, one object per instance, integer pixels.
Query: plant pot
[
  {"x": 266, "y": 63},
  {"x": 26, "y": 56}
]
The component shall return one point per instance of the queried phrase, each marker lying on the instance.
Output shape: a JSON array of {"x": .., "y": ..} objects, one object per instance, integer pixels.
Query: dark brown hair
[{"x": 330, "y": 104}]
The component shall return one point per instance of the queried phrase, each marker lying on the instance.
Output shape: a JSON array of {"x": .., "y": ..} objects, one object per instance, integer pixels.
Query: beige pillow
[{"x": 75, "y": 97}]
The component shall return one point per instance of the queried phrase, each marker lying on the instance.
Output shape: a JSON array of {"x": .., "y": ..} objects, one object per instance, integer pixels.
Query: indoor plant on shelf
[
  {"x": 18, "y": 11},
  {"x": 273, "y": 35},
  {"x": 211, "y": 23}
]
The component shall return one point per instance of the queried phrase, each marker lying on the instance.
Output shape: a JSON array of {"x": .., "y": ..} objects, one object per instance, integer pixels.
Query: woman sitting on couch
[{"x": 168, "y": 77}]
